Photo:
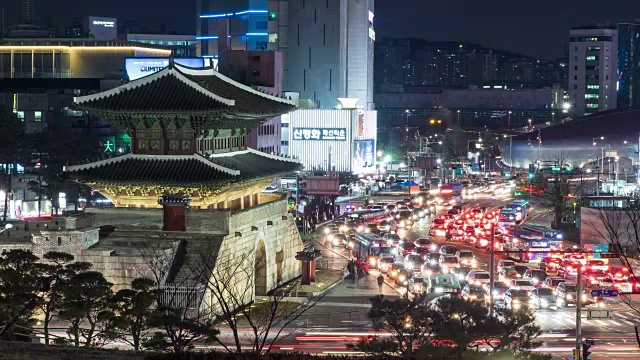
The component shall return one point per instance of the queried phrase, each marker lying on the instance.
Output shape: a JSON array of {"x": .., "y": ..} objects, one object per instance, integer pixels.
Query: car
[
  {"x": 569, "y": 268},
  {"x": 372, "y": 228},
  {"x": 472, "y": 292},
  {"x": 622, "y": 285},
  {"x": 515, "y": 299},
  {"x": 498, "y": 292},
  {"x": 466, "y": 257},
  {"x": 416, "y": 285},
  {"x": 506, "y": 275},
  {"x": 550, "y": 264},
  {"x": 505, "y": 264},
  {"x": 413, "y": 262},
  {"x": 403, "y": 277},
  {"x": 552, "y": 282},
  {"x": 478, "y": 277},
  {"x": 441, "y": 284},
  {"x": 521, "y": 284},
  {"x": 391, "y": 239},
  {"x": 448, "y": 262},
  {"x": 536, "y": 276},
  {"x": 405, "y": 248},
  {"x": 566, "y": 295},
  {"x": 385, "y": 263},
  {"x": 331, "y": 227},
  {"x": 542, "y": 298},
  {"x": 619, "y": 272},
  {"x": 422, "y": 252},
  {"x": 520, "y": 269},
  {"x": 393, "y": 271},
  {"x": 448, "y": 250},
  {"x": 461, "y": 273},
  {"x": 339, "y": 240}
]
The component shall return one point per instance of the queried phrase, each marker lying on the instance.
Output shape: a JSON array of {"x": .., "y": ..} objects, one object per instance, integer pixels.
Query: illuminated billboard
[
  {"x": 339, "y": 134},
  {"x": 363, "y": 155},
  {"x": 137, "y": 68},
  {"x": 103, "y": 28}
]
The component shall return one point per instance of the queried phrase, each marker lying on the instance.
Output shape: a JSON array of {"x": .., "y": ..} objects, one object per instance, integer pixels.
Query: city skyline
[{"x": 539, "y": 32}]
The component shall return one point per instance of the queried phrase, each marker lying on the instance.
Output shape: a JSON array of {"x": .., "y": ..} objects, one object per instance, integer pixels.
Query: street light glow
[
  {"x": 566, "y": 106},
  {"x": 380, "y": 153}
]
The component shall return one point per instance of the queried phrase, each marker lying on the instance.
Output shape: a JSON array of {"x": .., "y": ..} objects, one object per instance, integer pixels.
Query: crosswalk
[{"x": 624, "y": 319}]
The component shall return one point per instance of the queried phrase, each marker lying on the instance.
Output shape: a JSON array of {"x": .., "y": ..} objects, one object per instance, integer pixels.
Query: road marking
[
  {"x": 628, "y": 322},
  {"x": 622, "y": 316},
  {"x": 615, "y": 322},
  {"x": 602, "y": 323}
]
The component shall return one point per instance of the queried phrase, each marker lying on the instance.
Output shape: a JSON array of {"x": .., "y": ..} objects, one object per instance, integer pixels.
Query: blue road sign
[{"x": 604, "y": 293}]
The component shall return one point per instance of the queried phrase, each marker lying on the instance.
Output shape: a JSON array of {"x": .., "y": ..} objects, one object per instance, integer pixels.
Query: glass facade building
[{"x": 628, "y": 65}]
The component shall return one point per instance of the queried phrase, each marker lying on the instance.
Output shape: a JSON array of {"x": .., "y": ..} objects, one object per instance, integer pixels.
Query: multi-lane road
[{"x": 341, "y": 319}]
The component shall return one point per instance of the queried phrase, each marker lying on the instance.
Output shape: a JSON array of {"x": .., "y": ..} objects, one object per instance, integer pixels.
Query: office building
[
  {"x": 330, "y": 51},
  {"x": 628, "y": 65},
  {"x": 593, "y": 53},
  {"x": 180, "y": 45},
  {"x": 243, "y": 25}
]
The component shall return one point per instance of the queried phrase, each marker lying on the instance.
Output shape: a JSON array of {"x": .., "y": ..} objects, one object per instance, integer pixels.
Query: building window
[
  {"x": 59, "y": 241},
  {"x": 273, "y": 38},
  {"x": 38, "y": 116},
  {"x": 284, "y": 125},
  {"x": 592, "y": 58},
  {"x": 261, "y": 45},
  {"x": 592, "y": 106},
  {"x": 273, "y": 15},
  {"x": 20, "y": 115},
  {"x": 591, "y": 96},
  {"x": 593, "y": 87},
  {"x": 284, "y": 143}
]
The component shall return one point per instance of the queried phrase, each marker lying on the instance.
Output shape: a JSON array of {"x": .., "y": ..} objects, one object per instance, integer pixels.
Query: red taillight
[
  {"x": 625, "y": 269},
  {"x": 569, "y": 268}
]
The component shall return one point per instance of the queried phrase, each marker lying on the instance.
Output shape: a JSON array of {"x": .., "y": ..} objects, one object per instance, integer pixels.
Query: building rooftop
[
  {"x": 77, "y": 43},
  {"x": 183, "y": 169},
  {"x": 595, "y": 125}
]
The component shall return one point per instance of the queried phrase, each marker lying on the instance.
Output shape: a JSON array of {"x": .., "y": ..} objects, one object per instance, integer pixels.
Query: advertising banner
[
  {"x": 363, "y": 155},
  {"x": 137, "y": 68},
  {"x": 339, "y": 134},
  {"x": 103, "y": 28}
]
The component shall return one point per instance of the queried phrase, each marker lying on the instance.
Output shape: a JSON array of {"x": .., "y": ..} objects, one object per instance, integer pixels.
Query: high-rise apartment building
[
  {"x": 28, "y": 11},
  {"x": 593, "y": 62},
  {"x": 330, "y": 51},
  {"x": 628, "y": 65},
  {"x": 247, "y": 25}
]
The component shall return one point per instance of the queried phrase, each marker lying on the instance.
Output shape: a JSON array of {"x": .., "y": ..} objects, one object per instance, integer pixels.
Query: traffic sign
[{"x": 604, "y": 293}]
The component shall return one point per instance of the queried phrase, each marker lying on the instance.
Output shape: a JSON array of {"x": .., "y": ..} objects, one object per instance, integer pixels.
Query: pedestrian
[{"x": 380, "y": 282}]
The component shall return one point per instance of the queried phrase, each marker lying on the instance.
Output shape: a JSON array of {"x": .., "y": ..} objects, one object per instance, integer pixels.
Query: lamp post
[
  {"x": 509, "y": 120},
  {"x": 7, "y": 226},
  {"x": 459, "y": 117}
]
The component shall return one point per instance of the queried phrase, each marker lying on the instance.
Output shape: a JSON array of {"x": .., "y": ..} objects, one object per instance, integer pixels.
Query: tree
[
  {"x": 618, "y": 225},
  {"x": 20, "y": 282},
  {"x": 460, "y": 322},
  {"x": 176, "y": 313},
  {"x": 86, "y": 307},
  {"x": 508, "y": 330},
  {"x": 12, "y": 151},
  {"x": 134, "y": 310},
  {"x": 411, "y": 323},
  {"x": 231, "y": 282},
  {"x": 56, "y": 274}
]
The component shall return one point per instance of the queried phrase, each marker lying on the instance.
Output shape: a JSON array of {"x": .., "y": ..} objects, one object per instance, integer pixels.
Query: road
[{"x": 341, "y": 317}]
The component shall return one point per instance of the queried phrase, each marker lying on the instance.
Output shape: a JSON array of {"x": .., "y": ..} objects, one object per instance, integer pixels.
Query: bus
[
  {"x": 450, "y": 194},
  {"x": 507, "y": 217},
  {"x": 521, "y": 207},
  {"x": 533, "y": 243}
]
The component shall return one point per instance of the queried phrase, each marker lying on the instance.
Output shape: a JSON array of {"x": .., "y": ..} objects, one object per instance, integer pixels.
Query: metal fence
[{"x": 182, "y": 296}]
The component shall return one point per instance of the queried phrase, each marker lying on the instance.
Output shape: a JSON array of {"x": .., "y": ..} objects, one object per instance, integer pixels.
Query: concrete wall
[{"x": 70, "y": 241}]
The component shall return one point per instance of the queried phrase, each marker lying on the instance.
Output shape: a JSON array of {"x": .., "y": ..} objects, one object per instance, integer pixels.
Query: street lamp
[
  {"x": 7, "y": 226},
  {"x": 509, "y": 120},
  {"x": 566, "y": 107},
  {"x": 595, "y": 138},
  {"x": 458, "y": 117}
]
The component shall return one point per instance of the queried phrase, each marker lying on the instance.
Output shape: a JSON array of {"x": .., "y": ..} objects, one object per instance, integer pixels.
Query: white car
[
  {"x": 621, "y": 285},
  {"x": 520, "y": 284},
  {"x": 478, "y": 277},
  {"x": 466, "y": 258},
  {"x": 505, "y": 264}
]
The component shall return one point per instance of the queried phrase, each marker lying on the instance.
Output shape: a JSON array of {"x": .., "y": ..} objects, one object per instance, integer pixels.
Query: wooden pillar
[
  {"x": 306, "y": 272},
  {"x": 312, "y": 270}
]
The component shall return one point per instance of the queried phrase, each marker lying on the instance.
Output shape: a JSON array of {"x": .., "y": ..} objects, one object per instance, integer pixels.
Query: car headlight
[
  {"x": 544, "y": 302},
  {"x": 387, "y": 227},
  {"x": 433, "y": 247},
  {"x": 569, "y": 297},
  {"x": 439, "y": 290},
  {"x": 473, "y": 297},
  {"x": 402, "y": 278},
  {"x": 408, "y": 265},
  {"x": 351, "y": 244},
  {"x": 473, "y": 262},
  {"x": 422, "y": 213},
  {"x": 327, "y": 230},
  {"x": 335, "y": 242},
  {"x": 584, "y": 297},
  {"x": 372, "y": 261}
]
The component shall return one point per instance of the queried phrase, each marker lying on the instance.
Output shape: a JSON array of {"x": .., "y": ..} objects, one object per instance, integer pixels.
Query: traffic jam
[{"x": 533, "y": 267}]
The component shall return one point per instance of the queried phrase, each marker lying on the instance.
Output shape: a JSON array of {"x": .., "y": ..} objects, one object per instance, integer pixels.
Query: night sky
[{"x": 536, "y": 28}]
